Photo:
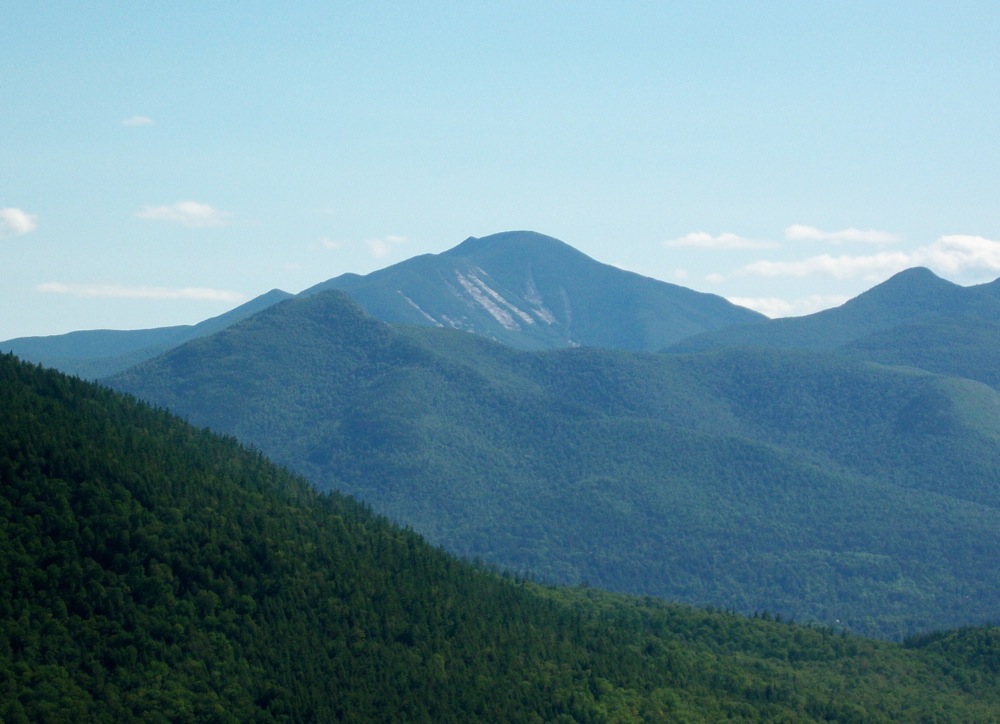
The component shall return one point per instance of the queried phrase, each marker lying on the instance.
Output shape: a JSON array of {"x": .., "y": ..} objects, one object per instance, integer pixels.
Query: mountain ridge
[
  {"x": 96, "y": 353},
  {"x": 533, "y": 291},
  {"x": 623, "y": 468},
  {"x": 911, "y": 296}
]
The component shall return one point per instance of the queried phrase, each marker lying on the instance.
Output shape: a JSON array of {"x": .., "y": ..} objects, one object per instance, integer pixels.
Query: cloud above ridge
[
  {"x": 383, "y": 247},
  {"x": 776, "y": 307},
  {"x": 961, "y": 255},
  {"x": 15, "y": 222},
  {"x": 192, "y": 214},
  {"x": 117, "y": 291},
  {"x": 801, "y": 232}
]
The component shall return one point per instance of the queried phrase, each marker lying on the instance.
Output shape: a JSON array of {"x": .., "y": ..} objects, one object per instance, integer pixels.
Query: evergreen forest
[{"x": 152, "y": 570}]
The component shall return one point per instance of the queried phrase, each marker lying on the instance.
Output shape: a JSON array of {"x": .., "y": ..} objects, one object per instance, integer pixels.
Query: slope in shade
[
  {"x": 823, "y": 488},
  {"x": 153, "y": 571}
]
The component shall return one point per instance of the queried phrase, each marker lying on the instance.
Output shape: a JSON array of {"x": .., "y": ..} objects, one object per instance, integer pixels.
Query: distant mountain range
[
  {"x": 839, "y": 467},
  {"x": 524, "y": 289},
  {"x": 803, "y": 482},
  {"x": 92, "y": 354}
]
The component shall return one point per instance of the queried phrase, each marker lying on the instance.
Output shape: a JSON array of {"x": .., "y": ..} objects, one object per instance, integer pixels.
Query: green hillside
[
  {"x": 825, "y": 489},
  {"x": 151, "y": 571},
  {"x": 964, "y": 347}
]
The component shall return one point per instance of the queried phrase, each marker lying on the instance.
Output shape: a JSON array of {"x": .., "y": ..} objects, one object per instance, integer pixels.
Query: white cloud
[
  {"x": 186, "y": 213},
  {"x": 15, "y": 222},
  {"x": 839, "y": 267},
  {"x": 137, "y": 121},
  {"x": 962, "y": 255},
  {"x": 800, "y": 232},
  {"x": 968, "y": 257},
  {"x": 775, "y": 307},
  {"x": 725, "y": 240},
  {"x": 140, "y": 292},
  {"x": 383, "y": 247}
]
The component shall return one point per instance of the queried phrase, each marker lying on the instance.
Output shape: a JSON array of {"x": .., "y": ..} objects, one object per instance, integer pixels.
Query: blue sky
[{"x": 160, "y": 162}]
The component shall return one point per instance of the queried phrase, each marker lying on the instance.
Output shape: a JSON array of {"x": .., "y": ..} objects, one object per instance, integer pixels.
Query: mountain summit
[
  {"x": 532, "y": 291},
  {"x": 913, "y": 296}
]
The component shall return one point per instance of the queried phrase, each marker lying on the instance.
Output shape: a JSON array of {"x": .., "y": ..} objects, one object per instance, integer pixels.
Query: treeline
[{"x": 150, "y": 570}]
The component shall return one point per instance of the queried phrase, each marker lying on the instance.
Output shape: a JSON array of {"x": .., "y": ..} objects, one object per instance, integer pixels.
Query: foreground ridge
[{"x": 154, "y": 570}]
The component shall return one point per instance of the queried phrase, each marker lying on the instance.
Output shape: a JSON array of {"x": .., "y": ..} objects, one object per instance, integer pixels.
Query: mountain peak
[
  {"x": 913, "y": 292},
  {"x": 505, "y": 242},
  {"x": 533, "y": 291}
]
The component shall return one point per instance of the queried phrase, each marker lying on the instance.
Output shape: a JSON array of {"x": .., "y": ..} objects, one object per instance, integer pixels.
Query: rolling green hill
[
  {"x": 151, "y": 571},
  {"x": 819, "y": 487}
]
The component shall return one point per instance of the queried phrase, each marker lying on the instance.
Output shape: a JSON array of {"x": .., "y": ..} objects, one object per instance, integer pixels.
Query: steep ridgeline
[
  {"x": 531, "y": 291},
  {"x": 151, "y": 571},
  {"x": 915, "y": 319},
  {"x": 816, "y": 486},
  {"x": 92, "y": 354}
]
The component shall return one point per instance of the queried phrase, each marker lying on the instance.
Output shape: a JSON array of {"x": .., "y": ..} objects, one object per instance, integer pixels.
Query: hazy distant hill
[
  {"x": 525, "y": 289},
  {"x": 914, "y": 296},
  {"x": 93, "y": 354},
  {"x": 531, "y": 291},
  {"x": 800, "y": 482}
]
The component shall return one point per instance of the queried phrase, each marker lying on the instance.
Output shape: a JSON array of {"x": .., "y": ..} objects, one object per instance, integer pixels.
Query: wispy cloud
[
  {"x": 15, "y": 222},
  {"x": 800, "y": 232},
  {"x": 840, "y": 267},
  {"x": 328, "y": 243},
  {"x": 140, "y": 292},
  {"x": 725, "y": 240},
  {"x": 186, "y": 213},
  {"x": 383, "y": 247},
  {"x": 775, "y": 307},
  {"x": 134, "y": 121},
  {"x": 962, "y": 254},
  {"x": 974, "y": 257}
]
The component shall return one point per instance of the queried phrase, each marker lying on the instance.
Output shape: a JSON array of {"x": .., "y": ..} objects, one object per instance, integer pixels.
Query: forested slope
[
  {"x": 819, "y": 487},
  {"x": 154, "y": 571}
]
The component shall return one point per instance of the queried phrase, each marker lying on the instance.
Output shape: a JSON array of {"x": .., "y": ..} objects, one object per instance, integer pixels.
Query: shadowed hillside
[{"x": 153, "y": 571}]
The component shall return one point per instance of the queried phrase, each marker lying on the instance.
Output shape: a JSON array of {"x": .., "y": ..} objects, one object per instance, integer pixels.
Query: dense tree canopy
[{"x": 152, "y": 570}]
